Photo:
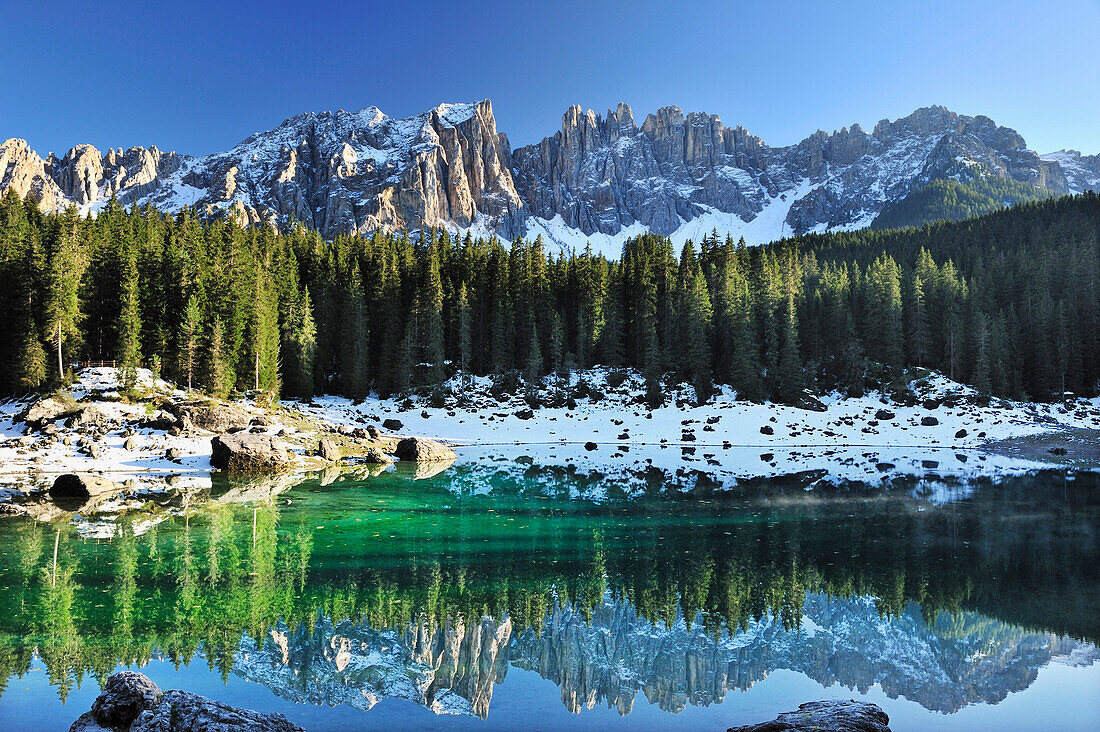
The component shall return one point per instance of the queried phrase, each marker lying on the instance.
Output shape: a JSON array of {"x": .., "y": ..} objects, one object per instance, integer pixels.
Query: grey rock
[
  {"x": 125, "y": 695},
  {"x": 173, "y": 453},
  {"x": 131, "y": 701},
  {"x": 212, "y": 417},
  {"x": 929, "y": 421},
  {"x": 245, "y": 452},
  {"x": 836, "y": 716},
  {"x": 423, "y": 450},
  {"x": 392, "y": 424},
  {"x": 47, "y": 410},
  {"x": 374, "y": 456},
  {"x": 884, "y": 415},
  {"x": 329, "y": 450},
  {"x": 130, "y": 444},
  {"x": 88, "y": 416}
]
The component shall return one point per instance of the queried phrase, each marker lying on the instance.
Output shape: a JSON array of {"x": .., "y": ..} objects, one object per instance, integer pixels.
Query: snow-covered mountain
[
  {"x": 600, "y": 179},
  {"x": 452, "y": 668}
]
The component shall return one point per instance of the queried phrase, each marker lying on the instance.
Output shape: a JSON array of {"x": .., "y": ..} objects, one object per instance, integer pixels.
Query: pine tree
[
  {"x": 31, "y": 362},
  {"x": 66, "y": 268},
  {"x": 129, "y": 323},
  {"x": 790, "y": 378},
  {"x": 465, "y": 338},
  {"x": 189, "y": 337}
]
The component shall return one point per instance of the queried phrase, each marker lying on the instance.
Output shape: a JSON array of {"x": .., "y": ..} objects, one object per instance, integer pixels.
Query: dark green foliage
[
  {"x": 1008, "y": 302},
  {"x": 952, "y": 200}
]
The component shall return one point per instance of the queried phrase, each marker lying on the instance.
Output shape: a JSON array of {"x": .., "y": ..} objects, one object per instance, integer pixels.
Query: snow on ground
[
  {"x": 99, "y": 386},
  {"x": 722, "y": 440}
]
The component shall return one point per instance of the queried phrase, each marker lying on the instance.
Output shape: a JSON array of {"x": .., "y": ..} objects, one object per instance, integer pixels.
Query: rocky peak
[{"x": 600, "y": 176}]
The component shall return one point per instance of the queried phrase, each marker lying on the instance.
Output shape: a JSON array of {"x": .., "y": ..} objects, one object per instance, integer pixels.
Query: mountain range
[
  {"x": 599, "y": 179},
  {"x": 453, "y": 667}
]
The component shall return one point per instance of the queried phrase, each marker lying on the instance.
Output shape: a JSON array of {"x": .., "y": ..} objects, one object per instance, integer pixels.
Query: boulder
[
  {"x": 173, "y": 453},
  {"x": 809, "y": 402},
  {"x": 884, "y": 415},
  {"x": 82, "y": 486},
  {"x": 212, "y": 417},
  {"x": 131, "y": 701},
  {"x": 125, "y": 695},
  {"x": 88, "y": 416},
  {"x": 767, "y": 430},
  {"x": 374, "y": 456},
  {"x": 328, "y": 450},
  {"x": 243, "y": 453},
  {"x": 392, "y": 424},
  {"x": 590, "y": 446},
  {"x": 423, "y": 450},
  {"x": 930, "y": 404},
  {"x": 47, "y": 410},
  {"x": 525, "y": 414},
  {"x": 835, "y": 715},
  {"x": 929, "y": 421},
  {"x": 960, "y": 434},
  {"x": 130, "y": 444}
]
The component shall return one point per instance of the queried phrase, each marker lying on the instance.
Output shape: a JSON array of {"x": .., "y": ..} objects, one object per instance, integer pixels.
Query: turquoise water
[{"x": 489, "y": 599}]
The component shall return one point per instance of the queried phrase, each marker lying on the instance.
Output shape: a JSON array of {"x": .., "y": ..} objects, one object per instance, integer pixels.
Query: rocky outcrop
[
  {"x": 212, "y": 417},
  {"x": 838, "y": 716},
  {"x": 44, "y": 411},
  {"x": 245, "y": 453},
  {"x": 131, "y": 701},
  {"x": 423, "y": 450}
]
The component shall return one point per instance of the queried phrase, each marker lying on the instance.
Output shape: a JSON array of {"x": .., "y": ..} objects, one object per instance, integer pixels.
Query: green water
[{"x": 414, "y": 593}]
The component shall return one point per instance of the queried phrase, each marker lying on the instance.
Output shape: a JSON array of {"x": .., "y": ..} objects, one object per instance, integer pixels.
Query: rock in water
[
  {"x": 328, "y": 450},
  {"x": 130, "y": 700},
  {"x": 81, "y": 486},
  {"x": 423, "y": 450},
  {"x": 836, "y": 716},
  {"x": 126, "y": 695},
  {"x": 243, "y": 453}
]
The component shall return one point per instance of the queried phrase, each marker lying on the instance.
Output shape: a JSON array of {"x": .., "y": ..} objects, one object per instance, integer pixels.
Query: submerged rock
[
  {"x": 245, "y": 452},
  {"x": 130, "y": 700},
  {"x": 423, "y": 450},
  {"x": 838, "y": 716}
]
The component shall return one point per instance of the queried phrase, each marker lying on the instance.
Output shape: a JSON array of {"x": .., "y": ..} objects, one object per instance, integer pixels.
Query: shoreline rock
[
  {"x": 132, "y": 701},
  {"x": 835, "y": 715},
  {"x": 246, "y": 453}
]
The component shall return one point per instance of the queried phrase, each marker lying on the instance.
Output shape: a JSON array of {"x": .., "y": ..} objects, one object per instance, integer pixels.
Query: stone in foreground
[
  {"x": 130, "y": 700},
  {"x": 833, "y": 715},
  {"x": 423, "y": 450},
  {"x": 248, "y": 453},
  {"x": 81, "y": 486}
]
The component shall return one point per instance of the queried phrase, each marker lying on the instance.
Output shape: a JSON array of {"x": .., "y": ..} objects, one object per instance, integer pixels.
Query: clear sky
[{"x": 197, "y": 76}]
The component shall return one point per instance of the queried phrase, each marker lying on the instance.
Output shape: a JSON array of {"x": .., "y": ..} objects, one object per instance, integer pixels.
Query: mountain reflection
[{"x": 354, "y": 592}]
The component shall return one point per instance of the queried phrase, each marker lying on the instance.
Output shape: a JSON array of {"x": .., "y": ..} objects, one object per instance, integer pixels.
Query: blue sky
[{"x": 200, "y": 76}]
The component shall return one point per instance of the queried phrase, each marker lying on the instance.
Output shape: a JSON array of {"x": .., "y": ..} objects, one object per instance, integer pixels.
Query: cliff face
[
  {"x": 453, "y": 667},
  {"x": 598, "y": 176}
]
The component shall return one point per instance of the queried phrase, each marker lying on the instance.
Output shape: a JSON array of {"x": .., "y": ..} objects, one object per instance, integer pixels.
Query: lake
[{"x": 495, "y": 595}]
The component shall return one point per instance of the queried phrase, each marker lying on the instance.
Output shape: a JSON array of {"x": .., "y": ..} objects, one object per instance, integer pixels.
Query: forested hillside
[
  {"x": 947, "y": 199},
  {"x": 1008, "y": 302}
]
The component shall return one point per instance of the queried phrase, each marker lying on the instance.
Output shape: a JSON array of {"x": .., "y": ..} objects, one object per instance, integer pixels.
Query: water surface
[{"x": 485, "y": 597}]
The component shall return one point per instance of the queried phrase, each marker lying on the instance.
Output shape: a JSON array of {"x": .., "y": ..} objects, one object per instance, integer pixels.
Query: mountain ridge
[{"x": 598, "y": 179}]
